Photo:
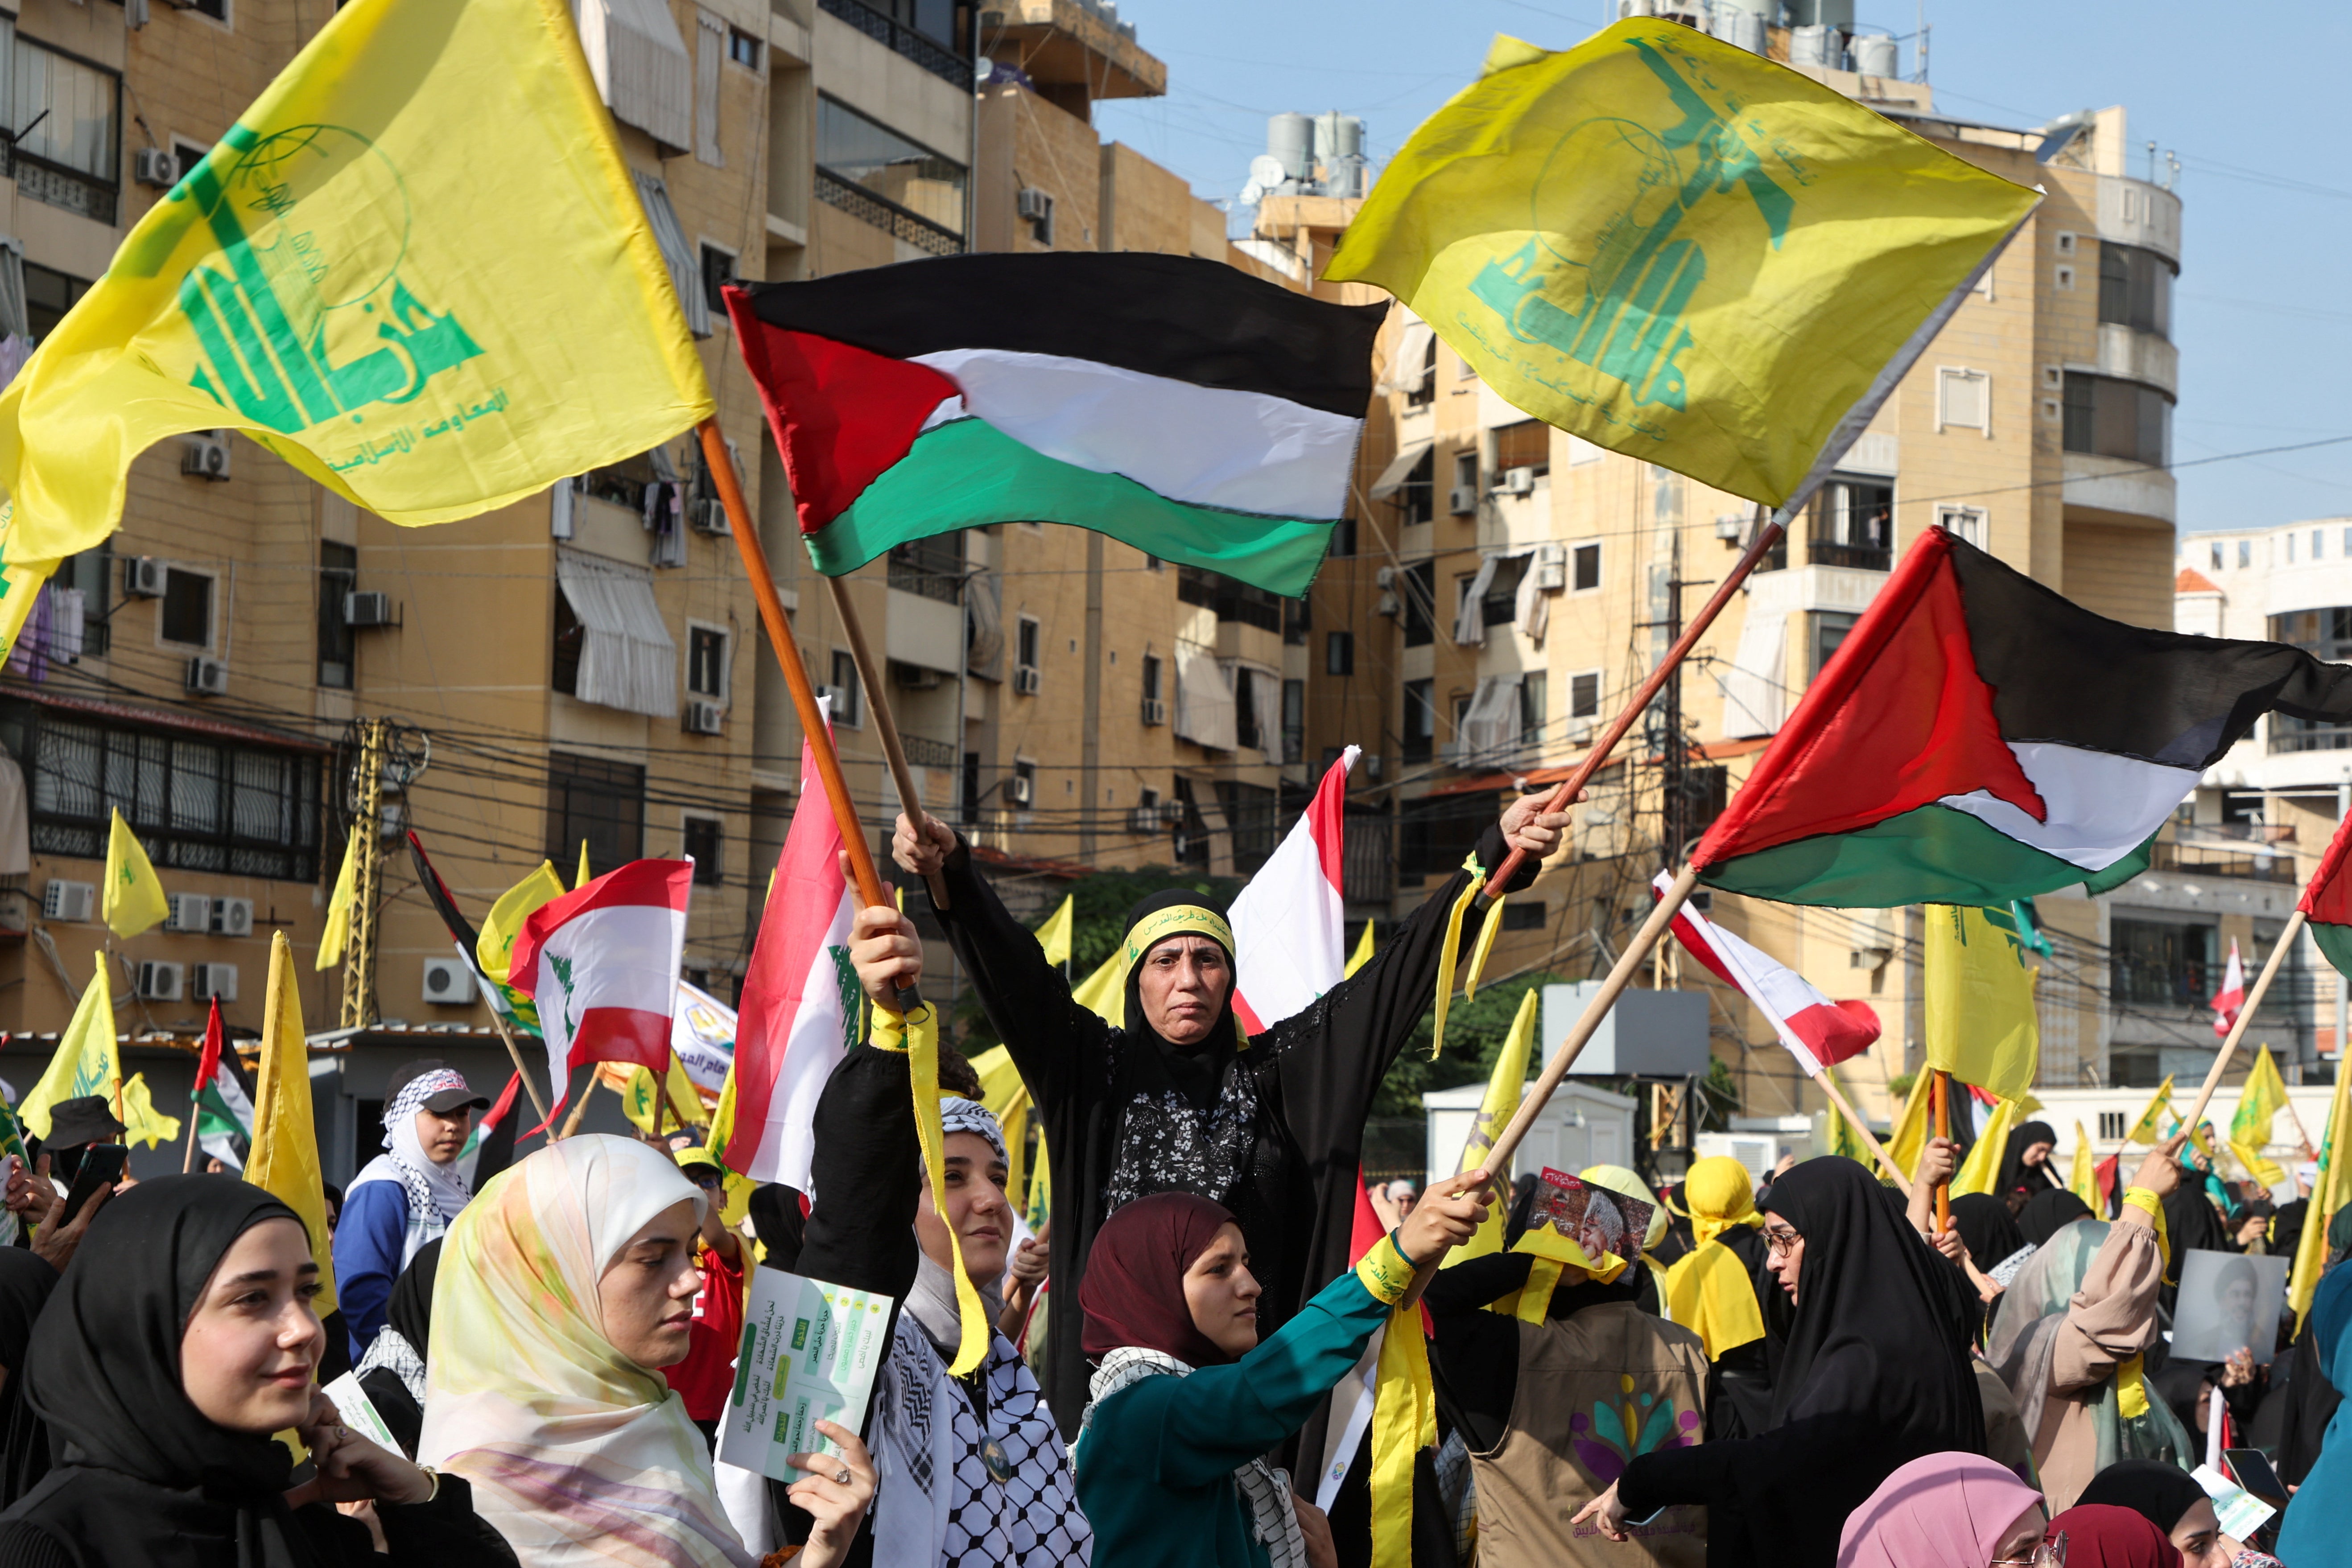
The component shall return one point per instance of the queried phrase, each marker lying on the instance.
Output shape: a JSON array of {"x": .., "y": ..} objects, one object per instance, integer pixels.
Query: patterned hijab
[
  {"x": 436, "y": 1193},
  {"x": 580, "y": 1457}
]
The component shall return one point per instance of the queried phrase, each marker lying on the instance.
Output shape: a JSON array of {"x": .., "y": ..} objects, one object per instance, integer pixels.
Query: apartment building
[{"x": 1513, "y": 584}]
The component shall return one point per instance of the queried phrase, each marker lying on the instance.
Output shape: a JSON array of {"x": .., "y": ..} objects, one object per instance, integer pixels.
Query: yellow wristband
[
  {"x": 888, "y": 1030},
  {"x": 2146, "y": 1202},
  {"x": 1385, "y": 1273}
]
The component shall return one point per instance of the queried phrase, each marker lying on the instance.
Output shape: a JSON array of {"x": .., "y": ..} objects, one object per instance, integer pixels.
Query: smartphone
[
  {"x": 101, "y": 1166},
  {"x": 2252, "y": 1471}
]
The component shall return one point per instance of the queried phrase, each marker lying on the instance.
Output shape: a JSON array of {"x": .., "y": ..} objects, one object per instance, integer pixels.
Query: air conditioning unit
[
  {"x": 160, "y": 982},
  {"x": 367, "y": 610},
  {"x": 914, "y": 677},
  {"x": 207, "y": 678},
  {"x": 205, "y": 457},
  {"x": 1385, "y": 576},
  {"x": 232, "y": 917},
  {"x": 1371, "y": 764},
  {"x": 212, "y": 981},
  {"x": 1551, "y": 566},
  {"x": 1730, "y": 526},
  {"x": 1025, "y": 680},
  {"x": 156, "y": 166},
  {"x": 142, "y": 578},
  {"x": 704, "y": 718},
  {"x": 1155, "y": 711},
  {"x": 1461, "y": 500},
  {"x": 1018, "y": 790},
  {"x": 1386, "y": 604},
  {"x": 63, "y": 900},
  {"x": 1143, "y": 820},
  {"x": 1578, "y": 734},
  {"x": 1031, "y": 203},
  {"x": 447, "y": 982},
  {"x": 1517, "y": 482},
  {"x": 707, "y": 517},
  {"x": 190, "y": 912}
]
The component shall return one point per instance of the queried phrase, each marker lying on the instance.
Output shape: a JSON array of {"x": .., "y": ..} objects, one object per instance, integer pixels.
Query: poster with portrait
[
  {"x": 2228, "y": 1300},
  {"x": 1596, "y": 1219}
]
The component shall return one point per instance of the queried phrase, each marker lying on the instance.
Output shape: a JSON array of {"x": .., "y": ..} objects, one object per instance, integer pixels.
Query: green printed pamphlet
[{"x": 809, "y": 1351}]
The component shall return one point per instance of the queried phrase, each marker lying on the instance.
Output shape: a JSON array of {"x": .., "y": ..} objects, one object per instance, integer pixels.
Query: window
[
  {"x": 1973, "y": 524},
  {"x": 1037, "y": 208},
  {"x": 718, "y": 272},
  {"x": 706, "y": 661},
  {"x": 847, "y": 696},
  {"x": 1024, "y": 643},
  {"x": 1527, "y": 445},
  {"x": 1151, "y": 677},
  {"x": 599, "y": 802},
  {"x": 2246, "y": 550},
  {"x": 186, "y": 615},
  {"x": 69, "y": 152},
  {"x": 1434, "y": 833},
  {"x": 1500, "y": 605},
  {"x": 48, "y": 294},
  {"x": 2290, "y": 549},
  {"x": 2135, "y": 288},
  {"x": 1232, "y": 600},
  {"x": 1340, "y": 653},
  {"x": 1245, "y": 724},
  {"x": 1704, "y": 793},
  {"x": 2162, "y": 964},
  {"x": 1584, "y": 695},
  {"x": 1964, "y": 400},
  {"x": 873, "y": 173},
  {"x": 1343, "y": 541},
  {"x": 186, "y": 155},
  {"x": 2117, "y": 419},
  {"x": 2347, "y": 547},
  {"x": 1420, "y": 720},
  {"x": 1854, "y": 525},
  {"x": 1294, "y": 721},
  {"x": 1533, "y": 689},
  {"x": 1415, "y": 496},
  {"x": 1025, "y": 774},
  {"x": 1417, "y": 586},
  {"x": 1466, "y": 469},
  {"x": 1585, "y": 562},
  {"x": 1422, "y": 390},
  {"x": 339, "y": 573},
  {"x": 2111, "y": 1126},
  {"x": 570, "y": 637},
  {"x": 1524, "y": 916},
  {"x": 92, "y": 574},
  {"x": 1830, "y": 628},
  {"x": 1191, "y": 828},
  {"x": 2215, "y": 550},
  {"x": 1298, "y": 620},
  {"x": 743, "y": 48},
  {"x": 2317, "y": 540},
  {"x": 702, "y": 838},
  {"x": 1251, "y": 814}
]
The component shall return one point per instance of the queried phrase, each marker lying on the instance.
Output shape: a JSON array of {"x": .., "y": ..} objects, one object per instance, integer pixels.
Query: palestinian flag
[
  {"x": 1195, "y": 411},
  {"x": 1976, "y": 738},
  {"x": 2326, "y": 904},
  {"x": 223, "y": 1109}
]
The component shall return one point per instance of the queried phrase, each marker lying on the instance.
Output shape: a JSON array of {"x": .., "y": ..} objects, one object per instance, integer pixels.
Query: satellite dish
[
  {"x": 1252, "y": 193},
  {"x": 1267, "y": 169}
]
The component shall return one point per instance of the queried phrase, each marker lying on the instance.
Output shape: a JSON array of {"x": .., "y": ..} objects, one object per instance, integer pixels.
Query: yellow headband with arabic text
[{"x": 1176, "y": 920}]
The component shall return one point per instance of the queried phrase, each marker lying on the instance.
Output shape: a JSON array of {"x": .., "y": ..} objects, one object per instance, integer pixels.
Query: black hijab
[
  {"x": 2158, "y": 1492},
  {"x": 2015, "y": 1173},
  {"x": 1987, "y": 1228},
  {"x": 409, "y": 1314},
  {"x": 142, "y": 1477},
  {"x": 2191, "y": 1225},
  {"x": 1198, "y": 1069},
  {"x": 2286, "y": 1227},
  {"x": 780, "y": 1223},
  {"x": 25, "y": 1281},
  {"x": 2047, "y": 1213}
]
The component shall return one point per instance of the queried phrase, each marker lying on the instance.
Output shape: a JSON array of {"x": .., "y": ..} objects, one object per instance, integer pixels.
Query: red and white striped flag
[
  {"x": 800, "y": 997},
  {"x": 1816, "y": 1031},
  {"x": 602, "y": 962},
  {"x": 2231, "y": 996},
  {"x": 1289, "y": 924}
]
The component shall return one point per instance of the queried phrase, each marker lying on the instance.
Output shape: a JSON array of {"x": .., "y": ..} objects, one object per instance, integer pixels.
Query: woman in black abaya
[
  {"x": 1874, "y": 1374},
  {"x": 25, "y": 1281},
  {"x": 391, "y": 1374},
  {"x": 2025, "y": 1162}
]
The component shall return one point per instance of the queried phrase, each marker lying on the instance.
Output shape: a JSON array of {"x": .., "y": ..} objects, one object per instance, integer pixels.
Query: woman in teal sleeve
[
  {"x": 1186, "y": 1402},
  {"x": 2312, "y": 1535}
]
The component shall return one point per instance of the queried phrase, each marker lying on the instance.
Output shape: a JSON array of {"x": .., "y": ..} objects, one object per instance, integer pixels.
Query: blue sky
[{"x": 2262, "y": 313}]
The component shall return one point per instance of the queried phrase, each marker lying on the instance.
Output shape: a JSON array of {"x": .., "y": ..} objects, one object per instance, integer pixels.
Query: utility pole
[{"x": 366, "y": 802}]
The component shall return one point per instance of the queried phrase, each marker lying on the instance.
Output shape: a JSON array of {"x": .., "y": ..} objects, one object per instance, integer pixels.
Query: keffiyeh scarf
[
  {"x": 436, "y": 1192},
  {"x": 1264, "y": 1488}
]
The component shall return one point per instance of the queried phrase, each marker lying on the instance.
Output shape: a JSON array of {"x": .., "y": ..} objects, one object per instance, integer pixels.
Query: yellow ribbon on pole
[{"x": 917, "y": 1034}]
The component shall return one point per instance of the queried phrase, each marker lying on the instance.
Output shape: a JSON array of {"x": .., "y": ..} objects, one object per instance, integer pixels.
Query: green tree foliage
[{"x": 1474, "y": 1033}]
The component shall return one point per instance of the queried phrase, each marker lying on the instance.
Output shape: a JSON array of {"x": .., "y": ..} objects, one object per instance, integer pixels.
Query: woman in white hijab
[{"x": 564, "y": 1288}]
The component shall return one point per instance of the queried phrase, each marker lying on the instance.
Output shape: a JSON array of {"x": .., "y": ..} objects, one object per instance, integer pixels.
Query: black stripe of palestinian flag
[
  {"x": 1978, "y": 738},
  {"x": 1195, "y": 411}
]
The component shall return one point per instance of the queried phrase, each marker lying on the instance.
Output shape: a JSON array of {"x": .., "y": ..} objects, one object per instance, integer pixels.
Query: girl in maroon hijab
[{"x": 2101, "y": 1535}]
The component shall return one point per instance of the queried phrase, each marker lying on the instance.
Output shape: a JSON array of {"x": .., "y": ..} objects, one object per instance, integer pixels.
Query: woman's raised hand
[{"x": 1444, "y": 1219}]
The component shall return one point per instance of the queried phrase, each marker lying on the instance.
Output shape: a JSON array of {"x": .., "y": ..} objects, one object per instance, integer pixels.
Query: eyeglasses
[
  {"x": 707, "y": 1178},
  {"x": 1780, "y": 1243},
  {"x": 2048, "y": 1554}
]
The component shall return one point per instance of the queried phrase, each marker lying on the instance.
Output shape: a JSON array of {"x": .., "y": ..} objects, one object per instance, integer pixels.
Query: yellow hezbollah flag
[
  {"x": 417, "y": 269},
  {"x": 86, "y": 1061},
  {"x": 2259, "y": 1101},
  {"x": 337, "y": 934},
  {"x": 1981, "y": 1169},
  {"x": 641, "y": 1100},
  {"x": 1680, "y": 250},
  {"x": 141, "y": 1121},
  {"x": 2149, "y": 1129},
  {"x": 1362, "y": 954},
  {"x": 134, "y": 894},
  {"x": 1104, "y": 992},
  {"x": 1007, "y": 1099},
  {"x": 1054, "y": 935},
  {"x": 1909, "y": 1137},
  {"x": 495, "y": 945},
  {"x": 2083, "y": 1179},
  {"x": 2328, "y": 1193},
  {"x": 1505, "y": 1088},
  {"x": 585, "y": 875},
  {"x": 1979, "y": 1000},
  {"x": 285, "y": 1162}
]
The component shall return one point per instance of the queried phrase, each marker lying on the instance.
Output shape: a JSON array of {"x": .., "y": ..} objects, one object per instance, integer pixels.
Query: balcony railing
[
  {"x": 62, "y": 187},
  {"x": 1863, "y": 558},
  {"x": 924, "y": 50},
  {"x": 882, "y": 213},
  {"x": 922, "y": 751},
  {"x": 2221, "y": 862}
]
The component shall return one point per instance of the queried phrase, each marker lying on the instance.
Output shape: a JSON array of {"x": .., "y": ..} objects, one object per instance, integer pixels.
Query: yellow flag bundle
[
  {"x": 2261, "y": 1098},
  {"x": 285, "y": 1161},
  {"x": 1680, "y": 250},
  {"x": 134, "y": 894},
  {"x": 86, "y": 1061},
  {"x": 1979, "y": 1000},
  {"x": 417, "y": 269}
]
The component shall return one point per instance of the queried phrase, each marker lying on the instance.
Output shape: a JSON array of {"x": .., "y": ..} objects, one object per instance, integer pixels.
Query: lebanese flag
[
  {"x": 1354, "y": 1395},
  {"x": 1184, "y": 406},
  {"x": 799, "y": 1004},
  {"x": 1816, "y": 1029},
  {"x": 1976, "y": 738},
  {"x": 1289, "y": 939},
  {"x": 2326, "y": 904},
  {"x": 2232, "y": 994},
  {"x": 601, "y": 964}
]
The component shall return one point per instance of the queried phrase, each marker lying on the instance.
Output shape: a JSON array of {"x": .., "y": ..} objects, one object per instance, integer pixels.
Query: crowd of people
[{"x": 1806, "y": 1372}]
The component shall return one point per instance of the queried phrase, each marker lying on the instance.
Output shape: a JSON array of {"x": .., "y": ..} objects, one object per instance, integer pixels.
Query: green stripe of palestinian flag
[
  {"x": 1976, "y": 739},
  {"x": 2326, "y": 904}
]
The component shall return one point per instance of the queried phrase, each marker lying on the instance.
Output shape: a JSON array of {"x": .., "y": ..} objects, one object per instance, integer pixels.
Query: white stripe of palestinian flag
[
  {"x": 224, "y": 1114},
  {"x": 601, "y": 964},
  {"x": 1815, "y": 1030},
  {"x": 1289, "y": 923},
  {"x": 1207, "y": 446}
]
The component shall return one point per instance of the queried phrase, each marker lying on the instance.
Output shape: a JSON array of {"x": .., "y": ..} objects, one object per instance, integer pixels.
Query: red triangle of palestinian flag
[
  {"x": 1978, "y": 738},
  {"x": 1197, "y": 412},
  {"x": 2326, "y": 902}
]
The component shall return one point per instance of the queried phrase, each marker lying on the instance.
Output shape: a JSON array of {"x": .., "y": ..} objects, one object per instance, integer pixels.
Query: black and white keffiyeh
[
  {"x": 1274, "y": 1519},
  {"x": 436, "y": 1192}
]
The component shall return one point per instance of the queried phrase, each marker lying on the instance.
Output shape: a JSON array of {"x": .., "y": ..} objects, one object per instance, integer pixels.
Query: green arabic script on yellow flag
[
  {"x": 417, "y": 269},
  {"x": 1680, "y": 250}
]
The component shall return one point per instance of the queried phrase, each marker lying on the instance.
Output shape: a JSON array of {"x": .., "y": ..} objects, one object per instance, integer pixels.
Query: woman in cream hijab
[{"x": 564, "y": 1288}]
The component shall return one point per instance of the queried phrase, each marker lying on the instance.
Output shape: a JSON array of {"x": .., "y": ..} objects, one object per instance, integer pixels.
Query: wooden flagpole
[
  {"x": 537, "y": 1101},
  {"x": 894, "y": 750},
  {"x": 1943, "y": 1096},
  {"x": 2245, "y": 1020}
]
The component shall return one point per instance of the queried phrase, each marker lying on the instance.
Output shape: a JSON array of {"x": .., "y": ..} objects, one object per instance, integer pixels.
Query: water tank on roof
[
  {"x": 1838, "y": 14},
  {"x": 1337, "y": 136},
  {"x": 1290, "y": 141},
  {"x": 1814, "y": 45},
  {"x": 1633, "y": 8},
  {"x": 1873, "y": 54},
  {"x": 1741, "y": 30}
]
